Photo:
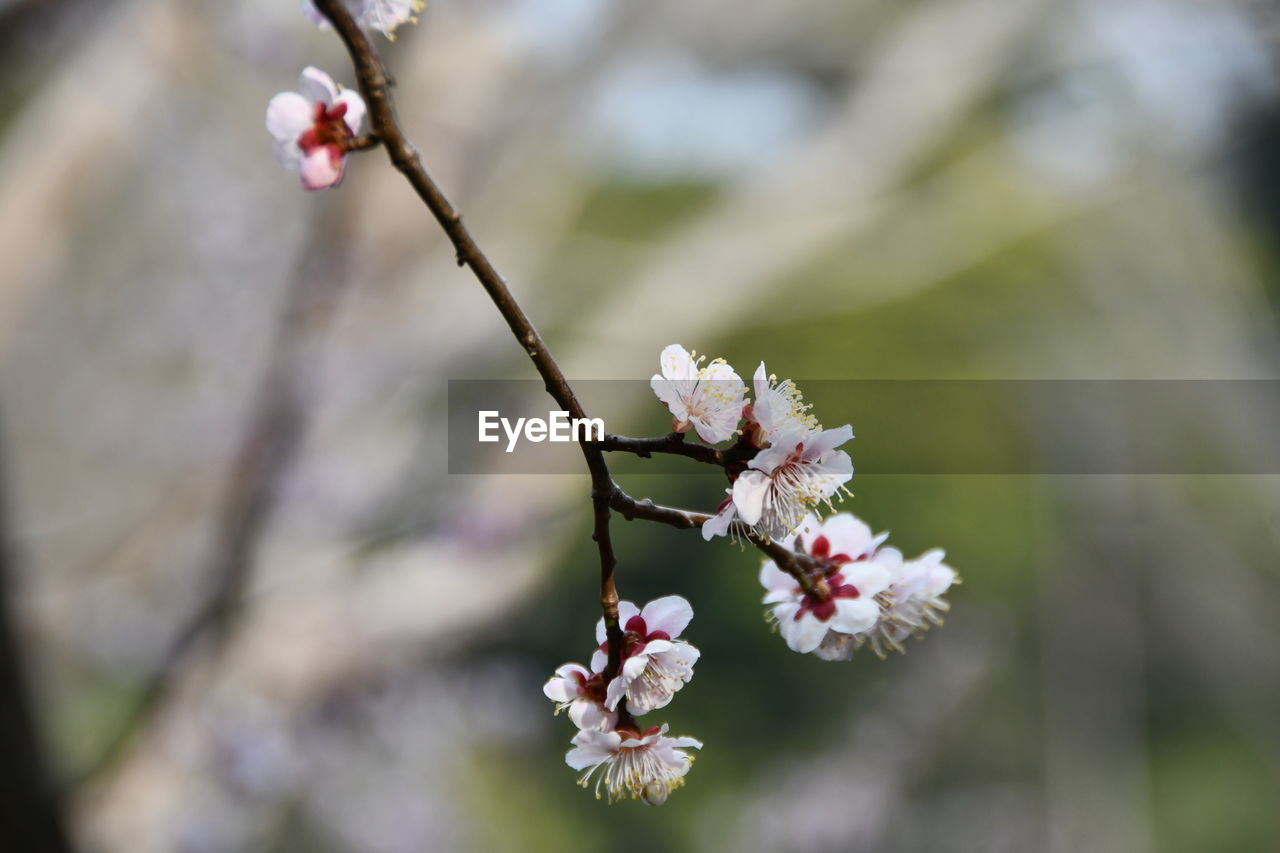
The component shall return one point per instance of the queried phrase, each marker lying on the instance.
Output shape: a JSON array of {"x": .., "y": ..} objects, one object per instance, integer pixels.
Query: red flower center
[{"x": 328, "y": 128}]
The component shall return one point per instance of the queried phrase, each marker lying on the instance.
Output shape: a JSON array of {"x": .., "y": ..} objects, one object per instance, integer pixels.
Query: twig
[{"x": 673, "y": 444}]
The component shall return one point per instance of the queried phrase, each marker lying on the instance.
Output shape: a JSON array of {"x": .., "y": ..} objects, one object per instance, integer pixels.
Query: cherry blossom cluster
[
  {"x": 629, "y": 760},
  {"x": 831, "y": 588},
  {"x": 787, "y": 464},
  {"x": 857, "y": 594}
]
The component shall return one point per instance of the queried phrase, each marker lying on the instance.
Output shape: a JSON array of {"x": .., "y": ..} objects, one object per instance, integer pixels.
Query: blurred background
[{"x": 253, "y": 612}]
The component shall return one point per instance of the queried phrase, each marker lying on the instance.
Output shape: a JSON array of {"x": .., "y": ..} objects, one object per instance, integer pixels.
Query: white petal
[
  {"x": 869, "y": 577},
  {"x": 767, "y": 460},
  {"x": 761, "y": 381},
  {"x": 748, "y": 495},
  {"x": 315, "y": 85},
  {"x": 354, "y": 116},
  {"x": 288, "y": 115},
  {"x": 718, "y": 525},
  {"x": 586, "y": 714},
  {"x": 804, "y": 634},
  {"x": 847, "y": 534},
  {"x": 599, "y": 660},
  {"x": 827, "y": 440},
  {"x": 676, "y": 363},
  {"x": 669, "y": 393},
  {"x": 854, "y": 615},
  {"x": 775, "y": 579},
  {"x": 671, "y": 613}
]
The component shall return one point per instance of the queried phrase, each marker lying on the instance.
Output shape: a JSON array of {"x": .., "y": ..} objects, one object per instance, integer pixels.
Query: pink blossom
[{"x": 314, "y": 127}]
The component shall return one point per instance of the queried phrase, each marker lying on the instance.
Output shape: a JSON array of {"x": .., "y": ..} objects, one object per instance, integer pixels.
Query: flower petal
[
  {"x": 671, "y": 613},
  {"x": 854, "y": 615},
  {"x": 315, "y": 86},
  {"x": 322, "y": 167},
  {"x": 748, "y": 494},
  {"x": 288, "y": 115},
  {"x": 804, "y": 634},
  {"x": 718, "y": 524}
]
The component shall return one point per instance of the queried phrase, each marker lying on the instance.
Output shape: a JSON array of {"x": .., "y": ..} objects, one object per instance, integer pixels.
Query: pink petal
[{"x": 322, "y": 167}]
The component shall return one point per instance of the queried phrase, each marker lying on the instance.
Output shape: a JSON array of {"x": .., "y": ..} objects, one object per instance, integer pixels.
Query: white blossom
[
  {"x": 707, "y": 399},
  {"x": 842, "y": 601},
  {"x": 655, "y": 662},
  {"x": 785, "y": 482},
  {"x": 581, "y": 693},
  {"x": 645, "y": 766}
]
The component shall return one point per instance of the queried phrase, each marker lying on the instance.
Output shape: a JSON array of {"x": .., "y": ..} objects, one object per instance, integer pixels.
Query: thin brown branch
[
  {"x": 672, "y": 444},
  {"x": 800, "y": 566},
  {"x": 374, "y": 84}
]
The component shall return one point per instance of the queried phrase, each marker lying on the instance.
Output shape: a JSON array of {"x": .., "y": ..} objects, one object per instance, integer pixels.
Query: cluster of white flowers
[
  {"x": 628, "y": 761},
  {"x": 862, "y": 594},
  {"x": 796, "y": 464}
]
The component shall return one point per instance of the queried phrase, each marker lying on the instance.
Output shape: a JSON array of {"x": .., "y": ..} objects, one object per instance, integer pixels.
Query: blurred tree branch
[
  {"x": 273, "y": 432},
  {"x": 30, "y": 810}
]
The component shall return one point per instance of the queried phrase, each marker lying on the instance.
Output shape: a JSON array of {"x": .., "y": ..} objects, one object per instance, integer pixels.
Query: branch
[
  {"x": 373, "y": 82},
  {"x": 799, "y": 565},
  {"x": 673, "y": 444}
]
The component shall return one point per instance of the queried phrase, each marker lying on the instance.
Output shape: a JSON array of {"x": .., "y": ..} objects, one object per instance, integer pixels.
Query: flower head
[
  {"x": 646, "y": 766},
  {"x": 381, "y": 15},
  {"x": 785, "y": 482},
  {"x": 655, "y": 663},
  {"x": 704, "y": 398},
  {"x": 842, "y": 597},
  {"x": 314, "y": 126},
  {"x": 582, "y": 693}
]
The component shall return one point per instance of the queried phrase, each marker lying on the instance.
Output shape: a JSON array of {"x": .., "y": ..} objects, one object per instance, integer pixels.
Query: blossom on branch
[
  {"x": 777, "y": 408},
  {"x": 582, "y": 693},
  {"x": 645, "y": 767},
  {"x": 862, "y": 595},
  {"x": 381, "y": 15},
  {"x": 314, "y": 127},
  {"x": 842, "y": 599},
  {"x": 785, "y": 482},
  {"x": 655, "y": 663},
  {"x": 706, "y": 399}
]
